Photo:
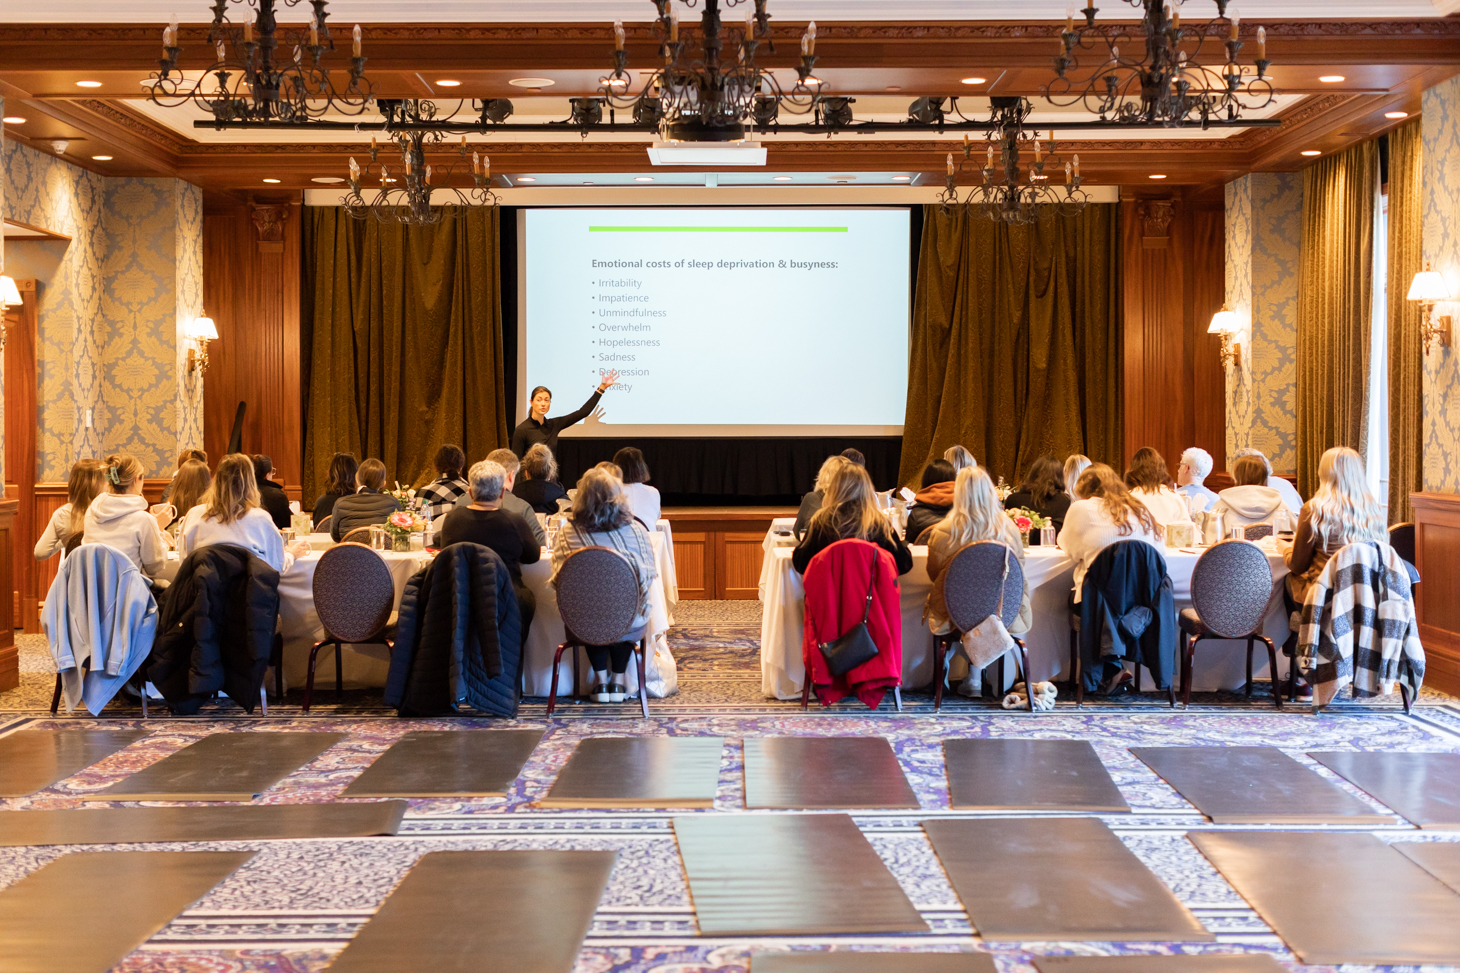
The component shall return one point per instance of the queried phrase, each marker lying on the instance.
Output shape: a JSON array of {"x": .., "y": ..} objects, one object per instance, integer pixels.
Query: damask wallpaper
[
  {"x": 1441, "y": 438},
  {"x": 111, "y": 314},
  {"x": 1264, "y": 240}
]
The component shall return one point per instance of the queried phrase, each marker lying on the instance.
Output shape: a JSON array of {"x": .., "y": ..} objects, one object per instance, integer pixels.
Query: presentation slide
[{"x": 719, "y": 322}]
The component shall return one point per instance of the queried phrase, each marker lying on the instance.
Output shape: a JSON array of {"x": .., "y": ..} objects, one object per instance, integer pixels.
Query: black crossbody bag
[{"x": 845, "y": 653}]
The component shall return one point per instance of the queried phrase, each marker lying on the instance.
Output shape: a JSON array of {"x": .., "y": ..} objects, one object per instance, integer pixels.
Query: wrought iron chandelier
[
  {"x": 1167, "y": 85},
  {"x": 250, "y": 82},
  {"x": 1004, "y": 196},
  {"x": 416, "y": 191},
  {"x": 712, "y": 97}
]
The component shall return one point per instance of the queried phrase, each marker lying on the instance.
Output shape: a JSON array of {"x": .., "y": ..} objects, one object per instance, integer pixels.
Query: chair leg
[
  {"x": 277, "y": 661},
  {"x": 264, "y": 700},
  {"x": 56, "y": 696},
  {"x": 1075, "y": 669},
  {"x": 1249, "y": 666},
  {"x": 1139, "y": 663},
  {"x": 897, "y": 697},
  {"x": 938, "y": 666},
  {"x": 643, "y": 688},
  {"x": 553, "y": 685},
  {"x": 1188, "y": 662},
  {"x": 1404, "y": 698},
  {"x": 1272, "y": 657},
  {"x": 339, "y": 672},
  {"x": 309, "y": 678},
  {"x": 577, "y": 680},
  {"x": 805, "y": 687}
]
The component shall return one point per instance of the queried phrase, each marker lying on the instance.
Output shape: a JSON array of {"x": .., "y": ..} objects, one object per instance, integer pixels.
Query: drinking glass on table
[{"x": 1047, "y": 536}]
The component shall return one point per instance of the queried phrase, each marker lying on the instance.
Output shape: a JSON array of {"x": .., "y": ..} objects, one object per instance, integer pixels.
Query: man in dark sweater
[
  {"x": 271, "y": 495},
  {"x": 484, "y": 522}
]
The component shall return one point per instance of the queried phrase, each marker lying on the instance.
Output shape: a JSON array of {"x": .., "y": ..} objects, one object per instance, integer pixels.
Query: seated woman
[
  {"x": 849, "y": 510},
  {"x": 484, "y": 522},
  {"x": 441, "y": 494},
  {"x": 1150, "y": 482},
  {"x": 976, "y": 516},
  {"x": 188, "y": 486},
  {"x": 88, "y": 479},
  {"x": 811, "y": 502},
  {"x": 931, "y": 503},
  {"x": 600, "y": 517},
  {"x": 1251, "y": 501},
  {"x": 183, "y": 458},
  {"x": 538, "y": 485},
  {"x": 119, "y": 517},
  {"x": 230, "y": 513},
  {"x": 1104, "y": 512},
  {"x": 961, "y": 458},
  {"x": 367, "y": 506},
  {"x": 1075, "y": 464},
  {"x": 339, "y": 482},
  {"x": 1043, "y": 491},
  {"x": 643, "y": 499}
]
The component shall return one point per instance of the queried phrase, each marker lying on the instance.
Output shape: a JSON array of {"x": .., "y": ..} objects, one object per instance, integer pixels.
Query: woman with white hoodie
[
  {"x": 1251, "y": 501},
  {"x": 230, "y": 513},
  {"x": 119, "y": 517}
]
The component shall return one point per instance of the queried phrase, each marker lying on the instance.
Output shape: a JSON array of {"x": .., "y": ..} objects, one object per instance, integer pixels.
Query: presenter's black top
[{"x": 530, "y": 431}]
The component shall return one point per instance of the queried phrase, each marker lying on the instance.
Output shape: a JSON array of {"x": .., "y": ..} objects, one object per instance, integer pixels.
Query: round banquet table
[{"x": 1048, "y": 572}]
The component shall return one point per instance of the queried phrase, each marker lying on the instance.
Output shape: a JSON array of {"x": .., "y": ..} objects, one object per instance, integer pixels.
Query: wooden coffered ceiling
[{"x": 1386, "y": 65}]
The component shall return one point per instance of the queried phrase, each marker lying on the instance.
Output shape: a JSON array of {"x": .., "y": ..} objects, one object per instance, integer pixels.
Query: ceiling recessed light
[
  {"x": 88, "y": 84},
  {"x": 527, "y": 179},
  {"x": 975, "y": 80},
  {"x": 271, "y": 180},
  {"x": 643, "y": 179},
  {"x": 902, "y": 178},
  {"x": 587, "y": 182},
  {"x": 328, "y": 180},
  {"x": 448, "y": 83},
  {"x": 842, "y": 178},
  {"x": 532, "y": 82},
  {"x": 101, "y": 158},
  {"x": 894, "y": 87},
  {"x": 1396, "y": 114},
  {"x": 781, "y": 178},
  {"x": 1331, "y": 78},
  {"x": 14, "y": 120},
  {"x": 1310, "y": 152},
  {"x": 1158, "y": 175}
]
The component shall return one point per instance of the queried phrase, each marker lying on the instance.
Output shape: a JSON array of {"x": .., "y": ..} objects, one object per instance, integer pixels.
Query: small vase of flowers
[
  {"x": 401, "y": 525},
  {"x": 1027, "y": 520}
]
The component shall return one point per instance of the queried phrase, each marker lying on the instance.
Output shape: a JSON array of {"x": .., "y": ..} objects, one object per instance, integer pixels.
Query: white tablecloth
[{"x": 1050, "y": 576}]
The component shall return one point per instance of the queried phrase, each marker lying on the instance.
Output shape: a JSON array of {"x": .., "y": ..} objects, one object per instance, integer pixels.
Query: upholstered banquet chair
[
  {"x": 972, "y": 585},
  {"x": 360, "y": 535},
  {"x": 353, "y": 595},
  {"x": 598, "y": 598},
  {"x": 1256, "y": 532},
  {"x": 1231, "y": 586},
  {"x": 323, "y": 527}
]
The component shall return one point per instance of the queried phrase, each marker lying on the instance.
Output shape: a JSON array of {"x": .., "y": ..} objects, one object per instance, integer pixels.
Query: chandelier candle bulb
[
  {"x": 355, "y": 38},
  {"x": 991, "y": 155},
  {"x": 222, "y": 51},
  {"x": 950, "y": 163},
  {"x": 428, "y": 175},
  {"x": 1077, "y": 166},
  {"x": 1236, "y": 23},
  {"x": 618, "y": 35},
  {"x": 314, "y": 33},
  {"x": 1262, "y": 43},
  {"x": 674, "y": 25},
  {"x": 1038, "y": 153},
  {"x": 248, "y": 31},
  {"x": 354, "y": 170}
]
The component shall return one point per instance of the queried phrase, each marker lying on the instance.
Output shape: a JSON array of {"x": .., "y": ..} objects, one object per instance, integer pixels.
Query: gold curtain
[
  {"x": 1335, "y": 303},
  {"x": 1406, "y": 350},
  {"x": 1016, "y": 341},
  {"x": 402, "y": 331}
]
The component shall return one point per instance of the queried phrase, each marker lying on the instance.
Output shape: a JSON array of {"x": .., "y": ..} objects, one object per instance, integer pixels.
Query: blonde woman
[
  {"x": 1074, "y": 466},
  {"x": 961, "y": 458},
  {"x": 1342, "y": 511},
  {"x": 88, "y": 480},
  {"x": 230, "y": 514},
  {"x": 977, "y": 515},
  {"x": 812, "y": 501},
  {"x": 849, "y": 510},
  {"x": 119, "y": 517},
  {"x": 1103, "y": 513}
]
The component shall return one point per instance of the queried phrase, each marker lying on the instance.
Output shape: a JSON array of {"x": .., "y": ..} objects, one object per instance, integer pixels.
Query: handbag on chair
[
  {"x": 989, "y": 639},
  {"x": 846, "y": 652}
]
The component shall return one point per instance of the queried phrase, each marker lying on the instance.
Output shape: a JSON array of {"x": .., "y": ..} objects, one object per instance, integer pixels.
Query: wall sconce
[
  {"x": 1226, "y": 323},
  {"x": 9, "y": 297},
  {"x": 202, "y": 330},
  {"x": 1429, "y": 289}
]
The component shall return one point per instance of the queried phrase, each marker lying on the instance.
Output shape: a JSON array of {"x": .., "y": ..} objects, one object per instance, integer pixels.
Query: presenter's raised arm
[{"x": 608, "y": 379}]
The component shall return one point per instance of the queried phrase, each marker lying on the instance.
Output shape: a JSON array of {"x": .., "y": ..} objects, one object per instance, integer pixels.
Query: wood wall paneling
[
  {"x": 251, "y": 285},
  {"x": 740, "y": 552},
  {"x": 694, "y": 564},
  {"x": 20, "y": 448},
  {"x": 9, "y": 657},
  {"x": 717, "y": 550},
  {"x": 1437, "y": 556}
]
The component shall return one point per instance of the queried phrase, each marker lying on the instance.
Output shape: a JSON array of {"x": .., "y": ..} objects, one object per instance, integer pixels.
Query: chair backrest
[
  {"x": 1401, "y": 538},
  {"x": 353, "y": 592},
  {"x": 323, "y": 527},
  {"x": 1231, "y": 587},
  {"x": 360, "y": 535},
  {"x": 598, "y": 595},
  {"x": 972, "y": 580},
  {"x": 1253, "y": 532}
]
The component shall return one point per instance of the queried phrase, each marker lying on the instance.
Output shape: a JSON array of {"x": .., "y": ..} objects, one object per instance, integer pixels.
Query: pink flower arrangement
[
  {"x": 1024, "y": 524},
  {"x": 402, "y": 519}
]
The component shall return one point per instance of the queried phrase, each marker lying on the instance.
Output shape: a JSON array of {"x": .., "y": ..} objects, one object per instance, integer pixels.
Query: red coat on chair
[{"x": 836, "y": 595}]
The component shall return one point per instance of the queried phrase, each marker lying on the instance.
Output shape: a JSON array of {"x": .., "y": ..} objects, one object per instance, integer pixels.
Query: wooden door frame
[{"x": 22, "y": 377}]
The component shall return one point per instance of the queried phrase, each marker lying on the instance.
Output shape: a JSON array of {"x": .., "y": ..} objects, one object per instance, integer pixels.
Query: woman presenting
[{"x": 538, "y": 428}]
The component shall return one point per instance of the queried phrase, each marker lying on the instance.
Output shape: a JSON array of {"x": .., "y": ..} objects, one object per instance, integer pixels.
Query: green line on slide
[{"x": 717, "y": 229}]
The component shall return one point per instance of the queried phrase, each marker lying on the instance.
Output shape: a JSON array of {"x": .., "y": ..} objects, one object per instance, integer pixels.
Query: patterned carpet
[{"x": 292, "y": 907}]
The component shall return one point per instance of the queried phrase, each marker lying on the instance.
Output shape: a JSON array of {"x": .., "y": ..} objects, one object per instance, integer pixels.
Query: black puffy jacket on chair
[
  {"x": 1127, "y": 603},
  {"x": 216, "y": 629},
  {"x": 459, "y": 614}
]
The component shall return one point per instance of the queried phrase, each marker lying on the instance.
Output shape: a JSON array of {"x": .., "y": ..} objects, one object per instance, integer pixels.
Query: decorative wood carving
[
  {"x": 1437, "y": 556},
  {"x": 268, "y": 221},
  {"x": 1156, "y": 216}
]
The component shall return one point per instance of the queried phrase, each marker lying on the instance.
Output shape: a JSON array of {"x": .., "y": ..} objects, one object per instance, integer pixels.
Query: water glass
[
  {"x": 1238, "y": 534},
  {"x": 1046, "y": 537}
]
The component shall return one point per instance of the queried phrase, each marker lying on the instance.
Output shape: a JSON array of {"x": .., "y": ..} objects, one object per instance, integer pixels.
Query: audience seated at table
[
  {"x": 367, "y": 506},
  {"x": 849, "y": 510},
  {"x": 483, "y": 521},
  {"x": 932, "y": 502},
  {"x": 1195, "y": 466},
  {"x": 119, "y": 517},
  {"x": 811, "y": 502},
  {"x": 538, "y": 484},
  {"x": 339, "y": 482},
  {"x": 511, "y": 502},
  {"x": 1150, "y": 482},
  {"x": 600, "y": 517},
  {"x": 230, "y": 513},
  {"x": 976, "y": 516},
  {"x": 1042, "y": 491},
  {"x": 1291, "y": 497},
  {"x": 88, "y": 480},
  {"x": 961, "y": 458},
  {"x": 271, "y": 495},
  {"x": 1104, "y": 512},
  {"x": 1251, "y": 501},
  {"x": 643, "y": 499},
  {"x": 1074, "y": 466},
  {"x": 183, "y": 458},
  {"x": 188, "y": 486},
  {"x": 442, "y": 493}
]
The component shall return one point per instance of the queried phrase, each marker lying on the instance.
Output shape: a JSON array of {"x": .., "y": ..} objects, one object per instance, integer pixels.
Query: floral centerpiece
[
  {"x": 1002, "y": 490},
  {"x": 401, "y": 525},
  {"x": 1027, "y": 520},
  {"x": 407, "y": 499}
]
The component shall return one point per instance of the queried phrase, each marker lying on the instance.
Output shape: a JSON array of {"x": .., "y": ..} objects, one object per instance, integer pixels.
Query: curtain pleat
[
  {"x": 1015, "y": 344},
  {"x": 405, "y": 338},
  {"x": 1335, "y": 300},
  {"x": 1406, "y": 349}
]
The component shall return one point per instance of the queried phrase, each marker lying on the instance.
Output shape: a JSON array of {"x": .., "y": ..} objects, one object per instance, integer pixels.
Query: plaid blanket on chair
[{"x": 1359, "y": 626}]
